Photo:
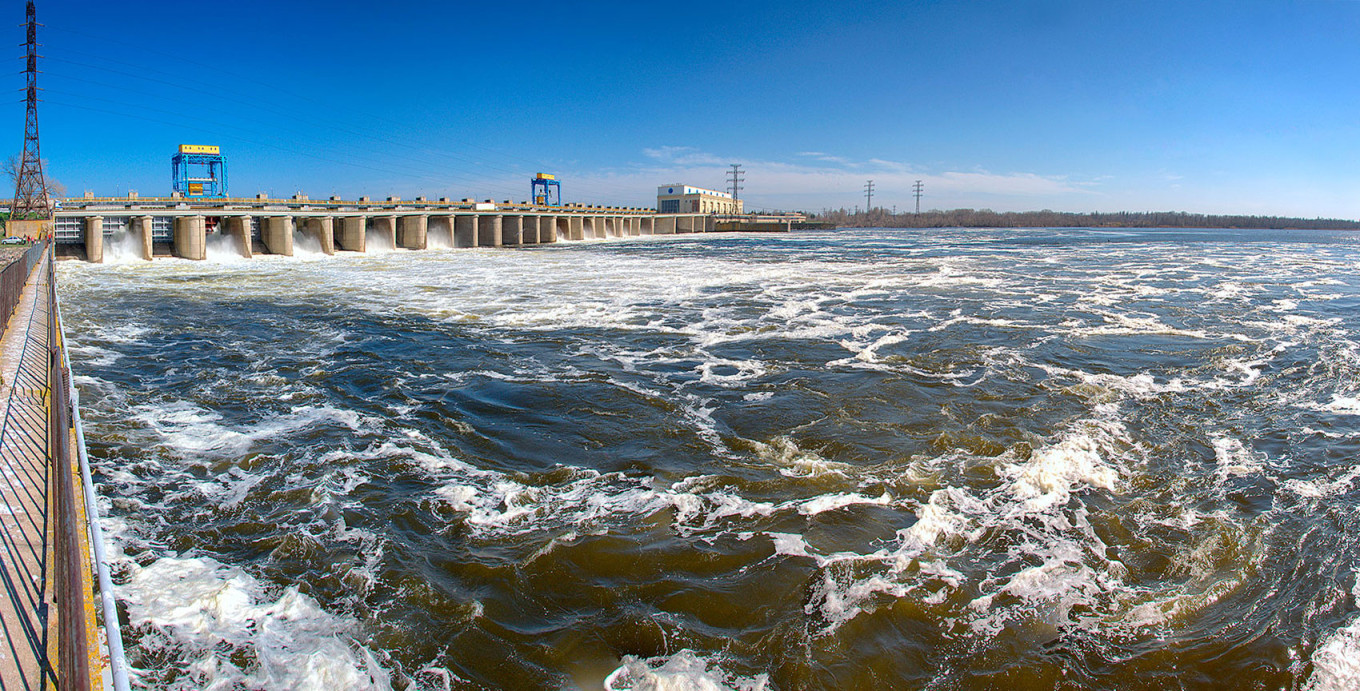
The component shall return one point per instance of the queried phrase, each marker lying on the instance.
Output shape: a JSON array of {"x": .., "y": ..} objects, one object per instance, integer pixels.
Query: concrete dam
[{"x": 180, "y": 227}]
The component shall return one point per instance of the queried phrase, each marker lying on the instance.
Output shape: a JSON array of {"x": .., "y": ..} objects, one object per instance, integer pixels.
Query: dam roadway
[{"x": 180, "y": 227}]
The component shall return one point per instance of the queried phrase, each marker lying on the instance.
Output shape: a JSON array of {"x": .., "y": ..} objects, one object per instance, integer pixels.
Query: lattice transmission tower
[
  {"x": 30, "y": 188},
  {"x": 735, "y": 177}
]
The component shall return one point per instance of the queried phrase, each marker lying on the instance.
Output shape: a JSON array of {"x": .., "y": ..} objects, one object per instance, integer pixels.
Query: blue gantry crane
[
  {"x": 545, "y": 190},
  {"x": 199, "y": 170}
]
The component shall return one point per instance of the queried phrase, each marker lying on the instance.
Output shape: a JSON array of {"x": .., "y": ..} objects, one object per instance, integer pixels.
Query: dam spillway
[{"x": 180, "y": 227}]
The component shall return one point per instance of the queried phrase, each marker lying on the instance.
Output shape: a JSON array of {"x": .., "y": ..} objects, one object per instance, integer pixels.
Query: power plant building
[{"x": 687, "y": 199}]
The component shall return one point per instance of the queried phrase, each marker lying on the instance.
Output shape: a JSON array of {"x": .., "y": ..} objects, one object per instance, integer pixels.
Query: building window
[{"x": 668, "y": 206}]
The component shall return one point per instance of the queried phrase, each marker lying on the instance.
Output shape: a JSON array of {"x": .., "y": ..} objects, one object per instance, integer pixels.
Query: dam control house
[{"x": 686, "y": 199}]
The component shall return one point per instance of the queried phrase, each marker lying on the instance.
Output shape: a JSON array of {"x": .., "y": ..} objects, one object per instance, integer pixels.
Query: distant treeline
[{"x": 986, "y": 218}]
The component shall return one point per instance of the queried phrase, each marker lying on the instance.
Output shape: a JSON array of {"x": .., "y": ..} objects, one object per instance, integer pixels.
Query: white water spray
[
  {"x": 123, "y": 247},
  {"x": 306, "y": 245},
  {"x": 439, "y": 237},
  {"x": 222, "y": 248},
  {"x": 377, "y": 242}
]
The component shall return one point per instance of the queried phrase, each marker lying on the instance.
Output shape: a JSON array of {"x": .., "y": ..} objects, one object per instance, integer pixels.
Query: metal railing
[
  {"x": 12, "y": 280},
  {"x": 118, "y": 667},
  {"x": 73, "y": 655},
  {"x": 42, "y": 547},
  {"x": 64, "y": 431}
]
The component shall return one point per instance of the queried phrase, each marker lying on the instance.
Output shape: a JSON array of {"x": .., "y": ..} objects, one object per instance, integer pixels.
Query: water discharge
[
  {"x": 378, "y": 242},
  {"x": 439, "y": 236},
  {"x": 307, "y": 245},
  {"x": 870, "y": 459},
  {"x": 122, "y": 247},
  {"x": 223, "y": 247}
]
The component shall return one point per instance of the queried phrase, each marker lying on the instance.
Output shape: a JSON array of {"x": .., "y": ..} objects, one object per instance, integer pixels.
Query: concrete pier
[
  {"x": 277, "y": 235},
  {"x": 191, "y": 238},
  {"x": 238, "y": 228},
  {"x": 352, "y": 236},
  {"x": 141, "y": 226},
  {"x": 489, "y": 231},
  {"x": 94, "y": 239},
  {"x": 321, "y": 229},
  {"x": 413, "y": 232}
]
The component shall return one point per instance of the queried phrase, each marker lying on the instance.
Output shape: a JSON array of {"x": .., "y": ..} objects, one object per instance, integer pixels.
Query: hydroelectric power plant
[{"x": 183, "y": 226}]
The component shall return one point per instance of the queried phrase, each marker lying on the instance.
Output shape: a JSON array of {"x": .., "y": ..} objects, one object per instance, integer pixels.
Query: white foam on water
[
  {"x": 832, "y": 502},
  {"x": 1318, "y": 489},
  {"x": 793, "y": 461},
  {"x": 115, "y": 333},
  {"x": 1341, "y": 405},
  {"x": 206, "y": 612},
  {"x": 224, "y": 248},
  {"x": 956, "y": 317},
  {"x": 948, "y": 276},
  {"x": 1122, "y": 324},
  {"x": 1230, "y": 290},
  {"x": 1336, "y": 661},
  {"x": 1055, "y": 565},
  {"x": 1052, "y": 473},
  {"x": 1234, "y": 459},
  {"x": 686, "y": 670},
  {"x": 730, "y": 373},
  {"x": 191, "y": 430},
  {"x": 495, "y": 503},
  {"x": 94, "y": 355}
]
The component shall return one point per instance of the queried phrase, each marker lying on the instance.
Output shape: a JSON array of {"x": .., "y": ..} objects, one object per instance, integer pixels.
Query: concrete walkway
[{"x": 26, "y": 609}]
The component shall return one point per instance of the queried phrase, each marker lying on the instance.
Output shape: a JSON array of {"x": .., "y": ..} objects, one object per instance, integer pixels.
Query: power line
[
  {"x": 299, "y": 128},
  {"x": 430, "y": 153},
  {"x": 297, "y": 152},
  {"x": 916, "y": 189},
  {"x": 868, "y": 196}
]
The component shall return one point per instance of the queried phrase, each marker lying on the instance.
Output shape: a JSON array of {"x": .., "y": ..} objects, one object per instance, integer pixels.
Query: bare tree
[{"x": 10, "y": 168}]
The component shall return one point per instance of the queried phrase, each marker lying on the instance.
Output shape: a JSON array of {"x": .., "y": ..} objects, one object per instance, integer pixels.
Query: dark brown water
[{"x": 874, "y": 459}]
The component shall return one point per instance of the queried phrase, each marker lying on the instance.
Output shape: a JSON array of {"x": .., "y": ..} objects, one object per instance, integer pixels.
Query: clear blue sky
[{"x": 1084, "y": 105}]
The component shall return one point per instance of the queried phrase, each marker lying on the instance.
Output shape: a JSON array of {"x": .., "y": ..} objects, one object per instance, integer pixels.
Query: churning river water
[{"x": 848, "y": 460}]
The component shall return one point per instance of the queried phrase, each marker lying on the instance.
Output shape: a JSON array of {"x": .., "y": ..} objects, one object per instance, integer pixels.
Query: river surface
[{"x": 1021, "y": 459}]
